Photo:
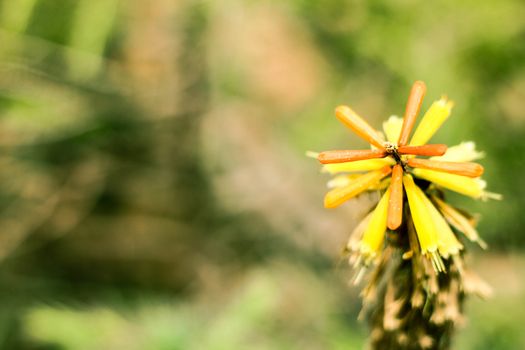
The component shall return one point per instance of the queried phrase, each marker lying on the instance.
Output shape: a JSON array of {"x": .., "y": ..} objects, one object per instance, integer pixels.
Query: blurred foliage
[
  {"x": 256, "y": 316},
  {"x": 153, "y": 167}
]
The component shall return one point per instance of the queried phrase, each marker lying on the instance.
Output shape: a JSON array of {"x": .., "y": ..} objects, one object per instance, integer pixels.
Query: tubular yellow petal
[
  {"x": 459, "y": 221},
  {"x": 354, "y": 241},
  {"x": 464, "y": 152},
  {"x": 338, "y": 196},
  {"x": 359, "y": 165},
  {"x": 423, "y": 219},
  {"x": 392, "y": 128},
  {"x": 383, "y": 185},
  {"x": 461, "y": 184},
  {"x": 374, "y": 235},
  {"x": 448, "y": 244},
  {"x": 358, "y": 125},
  {"x": 425, "y": 228},
  {"x": 432, "y": 120},
  {"x": 345, "y": 180}
]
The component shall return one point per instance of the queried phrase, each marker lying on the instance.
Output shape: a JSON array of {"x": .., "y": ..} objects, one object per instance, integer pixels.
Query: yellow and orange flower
[{"x": 392, "y": 165}]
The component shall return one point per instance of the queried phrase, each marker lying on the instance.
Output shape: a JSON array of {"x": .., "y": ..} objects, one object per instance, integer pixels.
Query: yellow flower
[
  {"x": 392, "y": 165},
  {"x": 374, "y": 234},
  {"x": 362, "y": 183},
  {"x": 432, "y": 121}
]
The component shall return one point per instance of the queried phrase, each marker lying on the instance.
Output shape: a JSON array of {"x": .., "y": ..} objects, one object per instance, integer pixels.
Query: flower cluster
[{"x": 407, "y": 165}]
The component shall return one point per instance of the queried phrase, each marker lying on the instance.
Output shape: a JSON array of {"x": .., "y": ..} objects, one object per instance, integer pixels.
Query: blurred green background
[{"x": 154, "y": 191}]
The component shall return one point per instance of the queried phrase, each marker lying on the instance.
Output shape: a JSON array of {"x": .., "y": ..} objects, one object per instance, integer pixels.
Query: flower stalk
[{"x": 409, "y": 249}]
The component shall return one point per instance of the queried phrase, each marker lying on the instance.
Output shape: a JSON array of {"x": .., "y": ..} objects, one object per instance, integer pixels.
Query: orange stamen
[
  {"x": 329, "y": 157},
  {"x": 465, "y": 169},
  {"x": 425, "y": 150},
  {"x": 413, "y": 105},
  {"x": 395, "y": 202},
  {"x": 358, "y": 125}
]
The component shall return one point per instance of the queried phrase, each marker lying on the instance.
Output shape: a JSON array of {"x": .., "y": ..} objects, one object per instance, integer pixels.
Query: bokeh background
[{"x": 154, "y": 192}]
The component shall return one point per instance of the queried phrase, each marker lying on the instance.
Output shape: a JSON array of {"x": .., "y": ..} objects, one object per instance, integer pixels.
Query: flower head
[{"x": 403, "y": 164}]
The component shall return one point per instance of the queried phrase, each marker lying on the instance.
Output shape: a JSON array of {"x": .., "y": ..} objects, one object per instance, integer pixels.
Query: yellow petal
[
  {"x": 374, "y": 235},
  {"x": 425, "y": 229},
  {"x": 383, "y": 185},
  {"x": 461, "y": 184},
  {"x": 345, "y": 180},
  {"x": 464, "y": 152},
  {"x": 339, "y": 195},
  {"x": 354, "y": 241},
  {"x": 359, "y": 165},
  {"x": 392, "y": 128},
  {"x": 459, "y": 221},
  {"x": 432, "y": 120},
  {"x": 423, "y": 221},
  {"x": 448, "y": 244}
]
